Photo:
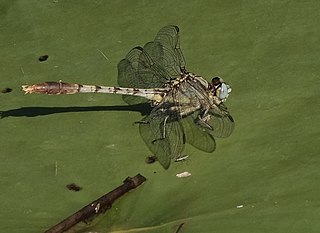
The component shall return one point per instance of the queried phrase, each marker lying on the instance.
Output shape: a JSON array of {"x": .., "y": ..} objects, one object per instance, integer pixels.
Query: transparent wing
[
  {"x": 196, "y": 136},
  {"x": 218, "y": 122},
  {"x": 163, "y": 134},
  {"x": 222, "y": 126},
  {"x": 153, "y": 65},
  {"x": 165, "y": 50},
  {"x": 139, "y": 71}
]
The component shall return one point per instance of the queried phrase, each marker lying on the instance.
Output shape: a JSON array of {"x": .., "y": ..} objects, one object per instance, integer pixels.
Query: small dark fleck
[
  {"x": 73, "y": 187},
  {"x": 179, "y": 227},
  {"x": 154, "y": 172},
  {"x": 6, "y": 90},
  {"x": 151, "y": 159},
  {"x": 43, "y": 58}
]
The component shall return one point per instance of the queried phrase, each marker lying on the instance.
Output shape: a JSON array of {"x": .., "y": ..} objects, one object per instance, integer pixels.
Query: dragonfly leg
[
  {"x": 162, "y": 130},
  {"x": 183, "y": 70},
  {"x": 164, "y": 127},
  {"x": 203, "y": 119}
]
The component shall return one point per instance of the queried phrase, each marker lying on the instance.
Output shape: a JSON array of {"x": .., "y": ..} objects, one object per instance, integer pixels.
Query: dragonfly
[{"x": 186, "y": 108}]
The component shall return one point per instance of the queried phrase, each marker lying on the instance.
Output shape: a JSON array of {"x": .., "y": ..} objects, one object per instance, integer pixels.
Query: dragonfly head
[{"x": 220, "y": 89}]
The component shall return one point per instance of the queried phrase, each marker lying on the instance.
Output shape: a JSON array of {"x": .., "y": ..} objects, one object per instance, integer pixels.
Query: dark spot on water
[
  {"x": 73, "y": 187},
  {"x": 151, "y": 159},
  {"x": 43, "y": 58},
  {"x": 179, "y": 227},
  {"x": 6, "y": 90}
]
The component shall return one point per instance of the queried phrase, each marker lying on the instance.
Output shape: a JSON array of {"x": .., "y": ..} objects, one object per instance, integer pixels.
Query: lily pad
[{"x": 263, "y": 178}]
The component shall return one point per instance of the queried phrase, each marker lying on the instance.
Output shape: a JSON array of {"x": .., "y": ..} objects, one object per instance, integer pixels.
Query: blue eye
[{"x": 223, "y": 91}]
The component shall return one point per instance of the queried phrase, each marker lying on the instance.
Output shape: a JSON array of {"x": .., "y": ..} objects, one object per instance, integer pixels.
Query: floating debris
[
  {"x": 180, "y": 227},
  {"x": 182, "y": 158},
  {"x": 73, "y": 187},
  {"x": 183, "y": 174},
  {"x": 151, "y": 159},
  {"x": 43, "y": 58},
  {"x": 97, "y": 207},
  {"x": 6, "y": 90}
]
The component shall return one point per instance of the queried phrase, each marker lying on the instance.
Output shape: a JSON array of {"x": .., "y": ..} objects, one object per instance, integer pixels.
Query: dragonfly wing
[
  {"x": 196, "y": 136},
  {"x": 153, "y": 65},
  {"x": 217, "y": 121},
  {"x": 139, "y": 71},
  {"x": 165, "y": 50},
  {"x": 163, "y": 134}
]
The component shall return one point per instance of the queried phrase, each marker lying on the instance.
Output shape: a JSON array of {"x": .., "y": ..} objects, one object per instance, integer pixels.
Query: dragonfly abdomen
[
  {"x": 56, "y": 88},
  {"x": 52, "y": 88}
]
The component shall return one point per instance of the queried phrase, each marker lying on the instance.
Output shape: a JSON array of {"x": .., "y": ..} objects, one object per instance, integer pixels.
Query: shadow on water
[{"x": 144, "y": 109}]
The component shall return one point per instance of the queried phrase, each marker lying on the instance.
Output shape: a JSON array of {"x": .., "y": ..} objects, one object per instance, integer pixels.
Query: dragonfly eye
[
  {"x": 216, "y": 81},
  {"x": 220, "y": 88},
  {"x": 223, "y": 91}
]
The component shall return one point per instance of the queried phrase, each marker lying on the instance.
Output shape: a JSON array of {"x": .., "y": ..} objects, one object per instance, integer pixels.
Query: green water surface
[{"x": 264, "y": 178}]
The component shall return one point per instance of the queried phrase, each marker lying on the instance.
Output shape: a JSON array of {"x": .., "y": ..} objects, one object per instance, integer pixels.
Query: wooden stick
[{"x": 98, "y": 206}]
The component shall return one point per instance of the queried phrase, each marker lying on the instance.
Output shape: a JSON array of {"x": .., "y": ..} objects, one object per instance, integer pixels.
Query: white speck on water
[
  {"x": 111, "y": 146},
  {"x": 103, "y": 54},
  {"x": 182, "y": 158},
  {"x": 183, "y": 174}
]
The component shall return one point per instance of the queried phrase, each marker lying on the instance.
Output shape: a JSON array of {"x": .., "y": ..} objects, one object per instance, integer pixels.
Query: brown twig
[{"x": 98, "y": 206}]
